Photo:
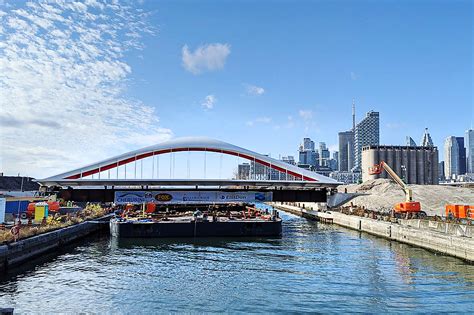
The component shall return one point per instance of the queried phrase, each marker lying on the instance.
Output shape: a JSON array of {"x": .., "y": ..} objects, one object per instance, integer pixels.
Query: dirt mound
[{"x": 384, "y": 193}]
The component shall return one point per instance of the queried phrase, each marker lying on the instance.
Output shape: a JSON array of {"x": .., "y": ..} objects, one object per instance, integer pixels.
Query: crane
[{"x": 407, "y": 207}]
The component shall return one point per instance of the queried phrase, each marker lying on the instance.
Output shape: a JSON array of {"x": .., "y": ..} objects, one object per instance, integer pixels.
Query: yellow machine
[{"x": 410, "y": 207}]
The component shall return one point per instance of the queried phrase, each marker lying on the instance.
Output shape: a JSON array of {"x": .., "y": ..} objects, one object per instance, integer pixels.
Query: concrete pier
[
  {"x": 14, "y": 254},
  {"x": 447, "y": 238}
]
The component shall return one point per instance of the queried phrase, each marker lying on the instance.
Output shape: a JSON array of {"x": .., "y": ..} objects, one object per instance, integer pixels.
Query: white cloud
[
  {"x": 305, "y": 114},
  {"x": 62, "y": 102},
  {"x": 208, "y": 102},
  {"x": 254, "y": 90},
  {"x": 210, "y": 57},
  {"x": 353, "y": 76},
  {"x": 260, "y": 120}
]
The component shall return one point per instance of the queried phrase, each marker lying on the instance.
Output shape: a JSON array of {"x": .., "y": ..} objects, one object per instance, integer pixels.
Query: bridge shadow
[{"x": 216, "y": 242}]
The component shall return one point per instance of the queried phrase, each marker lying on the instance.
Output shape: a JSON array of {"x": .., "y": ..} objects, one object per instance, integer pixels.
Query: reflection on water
[{"x": 311, "y": 268}]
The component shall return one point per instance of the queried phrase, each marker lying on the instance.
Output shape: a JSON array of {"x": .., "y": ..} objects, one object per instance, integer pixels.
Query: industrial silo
[
  {"x": 397, "y": 161},
  {"x": 369, "y": 159},
  {"x": 412, "y": 166},
  {"x": 420, "y": 166}
]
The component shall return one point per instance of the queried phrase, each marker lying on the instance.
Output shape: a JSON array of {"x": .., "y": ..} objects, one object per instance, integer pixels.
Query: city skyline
[{"x": 158, "y": 79}]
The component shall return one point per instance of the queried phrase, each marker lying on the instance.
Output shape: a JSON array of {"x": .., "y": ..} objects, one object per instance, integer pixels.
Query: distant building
[
  {"x": 346, "y": 151},
  {"x": 334, "y": 162},
  {"x": 469, "y": 143},
  {"x": 415, "y": 165},
  {"x": 243, "y": 171},
  {"x": 346, "y": 177},
  {"x": 367, "y": 133},
  {"x": 258, "y": 171},
  {"x": 462, "y": 156},
  {"x": 324, "y": 155},
  {"x": 307, "y": 167},
  {"x": 307, "y": 154},
  {"x": 410, "y": 142},
  {"x": 426, "y": 140},
  {"x": 309, "y": 157},
  {"x": 441, "y": 171},
  {"x": 323, "y": 170},
  {"x": 288, "y": 159},
  {"x": 307, "y": 145},
  {"x": 451, "y": 157}
]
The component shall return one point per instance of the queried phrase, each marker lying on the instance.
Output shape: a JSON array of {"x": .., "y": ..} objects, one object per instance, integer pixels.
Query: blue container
[{"x": 12, "y": 206}]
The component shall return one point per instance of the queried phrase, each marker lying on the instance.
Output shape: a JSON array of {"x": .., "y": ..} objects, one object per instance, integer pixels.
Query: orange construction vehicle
[
  {"x": 460, "y": 211},
  {"x": 409, "y": 208}
]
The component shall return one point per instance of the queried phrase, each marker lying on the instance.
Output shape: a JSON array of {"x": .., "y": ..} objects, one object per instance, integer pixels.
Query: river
[{"x": 312, "y": 268}]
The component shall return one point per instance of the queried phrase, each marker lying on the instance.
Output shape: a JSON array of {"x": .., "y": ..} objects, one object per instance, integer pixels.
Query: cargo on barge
[{"x": 220, "y": 221}]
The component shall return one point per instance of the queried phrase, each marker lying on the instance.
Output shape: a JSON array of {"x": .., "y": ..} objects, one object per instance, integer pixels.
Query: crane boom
[{"x": 377, "y": 169}]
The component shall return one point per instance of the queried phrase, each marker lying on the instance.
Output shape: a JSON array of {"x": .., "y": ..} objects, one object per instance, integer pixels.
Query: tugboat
[{"x": 195, "y": 221}]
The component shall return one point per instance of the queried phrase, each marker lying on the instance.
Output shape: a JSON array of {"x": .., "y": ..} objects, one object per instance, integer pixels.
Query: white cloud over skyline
[
  {"x": 305, "y": 114},
  {"x": 254, "y": 90},
  {"x": 62, "y": 81},
  {"x": 259, "y": 120},
  {"x": 209, "y": 57},
  {"x": 208, "y": 102}
]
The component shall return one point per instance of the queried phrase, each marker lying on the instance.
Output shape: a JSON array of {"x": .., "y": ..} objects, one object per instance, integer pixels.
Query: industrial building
[{"x": 414, "y": 164}]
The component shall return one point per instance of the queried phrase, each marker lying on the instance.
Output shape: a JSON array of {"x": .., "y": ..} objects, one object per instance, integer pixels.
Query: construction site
[{"x": 381, "y": 194}]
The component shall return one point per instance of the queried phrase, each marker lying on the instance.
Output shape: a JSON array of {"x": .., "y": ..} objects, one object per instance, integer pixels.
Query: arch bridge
[{"x": 276, "y": 174}]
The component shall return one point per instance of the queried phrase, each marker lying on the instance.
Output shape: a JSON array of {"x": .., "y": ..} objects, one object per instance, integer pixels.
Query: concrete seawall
[
  {"x": 446, "y": 238},
  {"x": 14, "y": 254}
]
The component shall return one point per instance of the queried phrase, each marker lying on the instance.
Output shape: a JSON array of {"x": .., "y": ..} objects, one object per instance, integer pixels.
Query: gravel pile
[{"x": 382, "y": 194}]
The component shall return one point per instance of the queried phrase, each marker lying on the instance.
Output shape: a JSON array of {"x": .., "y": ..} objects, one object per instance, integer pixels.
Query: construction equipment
[
  {"x": 409, "y": 208},
  {"x": 460, "y": 211}
]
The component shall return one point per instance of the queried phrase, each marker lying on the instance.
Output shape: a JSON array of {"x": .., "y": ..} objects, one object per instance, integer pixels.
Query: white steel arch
[{"x": 203, "y": 144}]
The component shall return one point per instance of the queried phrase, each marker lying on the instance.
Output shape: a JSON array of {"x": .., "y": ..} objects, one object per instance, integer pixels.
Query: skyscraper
[
  {"x": 451, "y": 157},
  {"x": 462, "y": 156},
  {"x": 426, "y": 140},
  {"x": 307, "y": 145},
  {"x": 367, "y": 132},
  {"x": 307, "y": 154},
  {"x": 469, "y": 143},
  {"x": 334, "y": 162},
  {"x": 346, "y": 151},
  {"x": 323, "y": 154}
]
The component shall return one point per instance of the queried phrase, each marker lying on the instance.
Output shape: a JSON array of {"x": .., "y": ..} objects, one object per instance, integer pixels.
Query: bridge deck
[{"x": 185, "y": 183}]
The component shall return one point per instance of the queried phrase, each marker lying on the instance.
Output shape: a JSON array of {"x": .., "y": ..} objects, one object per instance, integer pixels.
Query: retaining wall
[
  {"x": 448, "y": 238},
  {"x": 14, "y": 254}
]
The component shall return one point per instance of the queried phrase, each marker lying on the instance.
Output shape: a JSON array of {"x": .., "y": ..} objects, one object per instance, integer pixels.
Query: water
[{"x": 312, "y": 268}]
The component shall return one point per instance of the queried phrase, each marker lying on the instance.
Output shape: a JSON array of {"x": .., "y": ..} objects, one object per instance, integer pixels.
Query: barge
[{"x": 249, "y": 221}]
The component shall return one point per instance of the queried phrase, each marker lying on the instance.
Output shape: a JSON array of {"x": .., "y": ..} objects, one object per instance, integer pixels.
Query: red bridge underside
[{"x": 148, "y": 154}]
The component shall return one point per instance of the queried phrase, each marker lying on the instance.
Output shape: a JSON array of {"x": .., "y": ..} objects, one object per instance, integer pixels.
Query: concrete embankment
[
  {"x": 447, "y": 238},
  {"x": 14, "y": 254}
]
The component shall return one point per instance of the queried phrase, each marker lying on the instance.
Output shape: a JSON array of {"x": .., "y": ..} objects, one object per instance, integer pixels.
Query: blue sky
[
  {"x": 408, "y": 60},
  {"x": 106, "y": 77}
]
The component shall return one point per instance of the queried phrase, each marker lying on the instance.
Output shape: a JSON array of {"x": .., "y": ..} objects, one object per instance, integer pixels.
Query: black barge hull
[{"x": 134, "y": 229}]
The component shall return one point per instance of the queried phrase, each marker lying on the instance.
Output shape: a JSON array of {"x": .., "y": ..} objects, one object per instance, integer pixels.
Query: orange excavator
[{"x": 409, "y": 208}]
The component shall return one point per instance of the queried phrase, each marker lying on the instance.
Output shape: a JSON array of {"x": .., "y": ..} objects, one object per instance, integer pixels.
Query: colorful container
[
  {"x": 41, "y": 211},
  {"x": 460, "y": 211}
]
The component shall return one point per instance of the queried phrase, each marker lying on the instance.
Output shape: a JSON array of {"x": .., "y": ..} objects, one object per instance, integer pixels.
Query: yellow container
[{"x": 41, "y": 211}]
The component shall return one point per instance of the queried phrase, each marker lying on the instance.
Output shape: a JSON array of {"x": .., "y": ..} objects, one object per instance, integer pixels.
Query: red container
[
  {"x": 150, "y": 207},
  {"x": 53, "y": 206}
]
